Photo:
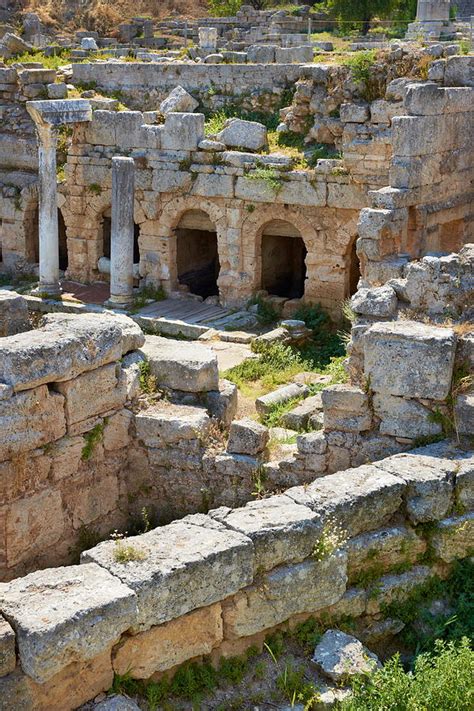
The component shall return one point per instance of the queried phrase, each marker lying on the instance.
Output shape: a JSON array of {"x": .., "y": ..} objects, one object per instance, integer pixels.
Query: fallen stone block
[
  {"x": 179, "y": 100},
  {"x": 248, "y": 135},
  {"x": 13, "y": 313},
  {"x": 65, "y": 615},
  {"x": 341, "y": 656},
  {"x": 266, "y": 403},
  {"x": 179, "y": 568},
  {"x": 247, "y": 436},
  {"x": 410, "y": 359},
  {"x": 280, "y": 530},
  {"x": 379, "y": 302},
  {"x": 181, "y": 365}
]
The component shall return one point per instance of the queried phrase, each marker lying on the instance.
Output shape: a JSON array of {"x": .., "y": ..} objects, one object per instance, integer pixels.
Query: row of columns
[{"x": 47, "y": 119}]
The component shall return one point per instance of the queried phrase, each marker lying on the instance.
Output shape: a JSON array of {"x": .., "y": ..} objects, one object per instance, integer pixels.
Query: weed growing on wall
[
  {"x": 331, "y": 539},
  {"x": 125, "y": 552},
  {"x": 361, "y": 65},
  {"x": 92, "y": 438}
]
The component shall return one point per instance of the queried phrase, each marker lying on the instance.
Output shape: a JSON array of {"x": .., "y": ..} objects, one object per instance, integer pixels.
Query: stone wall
[{"x": 213, "y": 585}]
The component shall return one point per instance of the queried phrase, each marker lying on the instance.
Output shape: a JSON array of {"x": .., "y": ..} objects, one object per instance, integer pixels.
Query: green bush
[{"x": 440, "y": 681}]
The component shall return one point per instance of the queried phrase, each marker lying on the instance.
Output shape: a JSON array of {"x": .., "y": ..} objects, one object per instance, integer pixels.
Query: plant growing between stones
[
  {"x": 95, "y": 189},
  {"x": 332, "y": 538},
  {"x": 92, "y": 438},
  {"x": 125, "y": 552},
  {"x": 271, "y": 177},
  {"x": 148, "y": 382}
]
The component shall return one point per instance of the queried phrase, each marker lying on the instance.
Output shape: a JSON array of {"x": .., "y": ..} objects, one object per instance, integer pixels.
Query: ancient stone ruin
[{"x": 156, "y": 507}]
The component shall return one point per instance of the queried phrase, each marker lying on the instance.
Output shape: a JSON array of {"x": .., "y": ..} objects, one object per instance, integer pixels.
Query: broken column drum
[{"x": 121, "y": 248}]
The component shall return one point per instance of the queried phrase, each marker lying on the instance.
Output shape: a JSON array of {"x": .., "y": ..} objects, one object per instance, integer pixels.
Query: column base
[
  {"x": 47, "y": 291},
  {"x": 115, "y": 302}
]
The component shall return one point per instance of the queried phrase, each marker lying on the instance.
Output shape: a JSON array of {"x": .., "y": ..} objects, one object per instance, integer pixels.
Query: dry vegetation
[{"x": 104, "y": 16}]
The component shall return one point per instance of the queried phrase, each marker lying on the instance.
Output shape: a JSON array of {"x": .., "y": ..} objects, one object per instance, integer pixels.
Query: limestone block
[
  {"x": 66, "y": 456},
  {"x": 117, "y": 702},
  {"x": 185, "y": 566},
  {"x": 465, "y": 482},
  {"x": 382, "y": 111},
  {"x": 283, "y": 592},
  {"x": 93, "y": 393},
  {"x": 57, "y": 91},
  {"x": 382, "y": 549},
  {"x": 179, "y": 100},
  {"x": 346, "y": 408},
  {"x": 294, "y": 55},
  {"x": 130, "y": 374},
  {"x": 454, "y": 538},
  {"x": 213, "y": 185},
  {"x": 464, "y": 413},
  {"x": 182, "y": 131},
  {"x": 165, "y": 646},
  {"x": 7, "y": 648},
  {"x": 299, "y": 416},
  {"x": 358, "y": 499},
  {"x": 379, "y": 302},
  {"x": 249, "y": 135},
  {"x": 398, "y": 588},
  {"x": 216, "y": 58},
  {"x": 403, "y": 418},
  {"x": 341, "y": 656},
  {"x": 430, "y": 480},
  {"x": 101, "y": 130},
  {"x": 65, "y": 615},
  {"x": 181, "y": 365},
  {"x": 92, "y": 503},
  {"x": 459, "y": 71},
  {"x": 29, "y": 420},
  {"x": 261, "y": 54},
  {"x": 165, "y": 181},
  {"x": 53, "y": 353},
  {"x": 132, "y": 335},
  {"x": 280, "y": 530},
  {"x": 36, "y": 76},
  {"x": 116, "y": 431},
  {"x": 161, "y": 425},
  {"x": 354, "y": 113},
  {"x": 247, "y": 436},
  {"x": 13, "y": 313},
  {"x": 89, "y": 43},
  {"x": 311, "y": 443},
  {"x": 266, "y": 403},
  {"x": 410, "y": 359},
  {"x": 33, "y": 524},
  {"x": 222, "y": 404}
]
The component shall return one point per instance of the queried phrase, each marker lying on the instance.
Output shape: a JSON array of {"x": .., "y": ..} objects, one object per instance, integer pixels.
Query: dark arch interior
[
  {"x": 63, "y": 257},
  {"x": 283, "y": 261},
  {"x": 107, "y": 234},
  {"x": 197, "y": 255},
  {"x": 354, "y": 269}
]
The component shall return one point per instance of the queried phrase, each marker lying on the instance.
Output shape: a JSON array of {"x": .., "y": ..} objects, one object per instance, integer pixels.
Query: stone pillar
[
  {"x": 208, "y": 38},
  {"x": 432, "y": 11},
  {"x": 48, "y": 212},
  {"x": 121, "y": 245}
]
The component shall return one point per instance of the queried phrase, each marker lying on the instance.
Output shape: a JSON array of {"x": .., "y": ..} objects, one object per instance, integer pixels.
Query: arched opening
[
  {"x": 354, "y": 269},
  {"x": 283, "y": 255},
  {"x": 197, "y": 257},
  {"x": 62, "y": 239}
]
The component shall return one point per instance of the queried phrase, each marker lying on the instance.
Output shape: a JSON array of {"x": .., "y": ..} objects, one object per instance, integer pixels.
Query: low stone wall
[
  {"x": 216, "y": 584},
  {"x": 146, "y": 85}
]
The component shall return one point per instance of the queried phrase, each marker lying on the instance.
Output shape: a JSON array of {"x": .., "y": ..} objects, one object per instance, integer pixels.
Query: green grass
[
  {"x": 54, "y": 62},
  {"x": 440, "y": 681}
]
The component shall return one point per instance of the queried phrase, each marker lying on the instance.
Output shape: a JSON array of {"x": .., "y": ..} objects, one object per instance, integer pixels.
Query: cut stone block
[
  {"x": 281, "y": 530},
  {"x": 182, "y": 132},
  {"x": 178, "y": 100},
  {"x": 117, "y": 703},
  {"x": 185, "y": 566},
  {"x": 29, "y": 420},
  {"x": 464, "y": 413},
  {"x": 312, "y": 443},
  {"x": 7, "y": 648},
  {"x": 380, "y": 302},
  {"x": 391, "y": 588},
  {"x": 284, "y": 592},
  {"x": 65, "y": 615},
  {"x": 454, "y": 538},
  {"x": 158, "y": 426},
  {"x": 266, "y": 403},
  {"x": 430, "y": 481},
  {"x": 403, "y": 418},
  {"x": 410, "y": 359},
  {"x": 132, "y": 335},
  {"x": 52, "y": 354},
  {"x": 341, "y": 656},
  {"x": 180, "y": 365},
  {"x": 298, "y": 418},
  {"x": 168, "y": 645},
  {"x": 346, "y": 408},
  {"x": 248, "y": 135},
  {"x": 13, "y": 313},
  {"x": 357, "y": 499},
  {"x": 247, "y": 437},
  {"x": 383, "y": 549}
]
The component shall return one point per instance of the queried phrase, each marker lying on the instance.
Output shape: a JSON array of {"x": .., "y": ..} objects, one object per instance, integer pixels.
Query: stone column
[
  {"x": 121, "y": 246},
  {"x": 48, "y": 212}
]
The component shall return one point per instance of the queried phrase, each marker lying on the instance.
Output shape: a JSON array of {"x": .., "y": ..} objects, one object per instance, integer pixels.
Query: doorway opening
[
  {"x": 62, "y": 239},
  {"x": 196, "y": 254},
  {"x": 283, "y": 260},
  {"x": 354, "y": 269}
]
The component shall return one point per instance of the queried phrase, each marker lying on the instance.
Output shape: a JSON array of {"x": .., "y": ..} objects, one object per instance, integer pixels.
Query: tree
[
  {"x": 362, "y": 12},
  {"x": 224, "y": 8}
]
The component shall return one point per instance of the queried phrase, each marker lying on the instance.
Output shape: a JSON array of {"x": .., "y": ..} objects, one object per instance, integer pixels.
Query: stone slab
[{"x": 181, "y": 365}]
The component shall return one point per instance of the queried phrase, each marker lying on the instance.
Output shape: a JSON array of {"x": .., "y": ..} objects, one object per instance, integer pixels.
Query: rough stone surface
[
  {"x": 247, "y": 437},
  {"x": 65, "y": 615},
  {"x": 13, "y": 313},
  {"x": 403, "y": 418},
  {"x": 341, "y": 656},
  {"x": 181, "y": 365},
  {"x": 117, "y": 703},
  {"x": 158, "y": 426},
  {"x": 410, "y": 359},
  {"x": 454, "y": 538},
  {"x": 132, "y": 335},
  {"x": 7, "y": 648},
  {"x": 165, "y": 646},
  {"x": 184, "y": 566},
  {"x": 248, "y": 135},
  {"x": 178, "y": 100},
  {"x": 380, "y": 302}
]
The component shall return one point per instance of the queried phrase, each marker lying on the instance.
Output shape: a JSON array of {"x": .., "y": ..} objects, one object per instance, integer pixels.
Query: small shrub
[
  {"x": 95, "y": 189},
  {"x": 361, "y": 65},
  {"x": 148, "y": 382},
  {"x": 272, "y": 178},
  {"x": 92, "y": 438},
  {"x": 126, "y": 552}
]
